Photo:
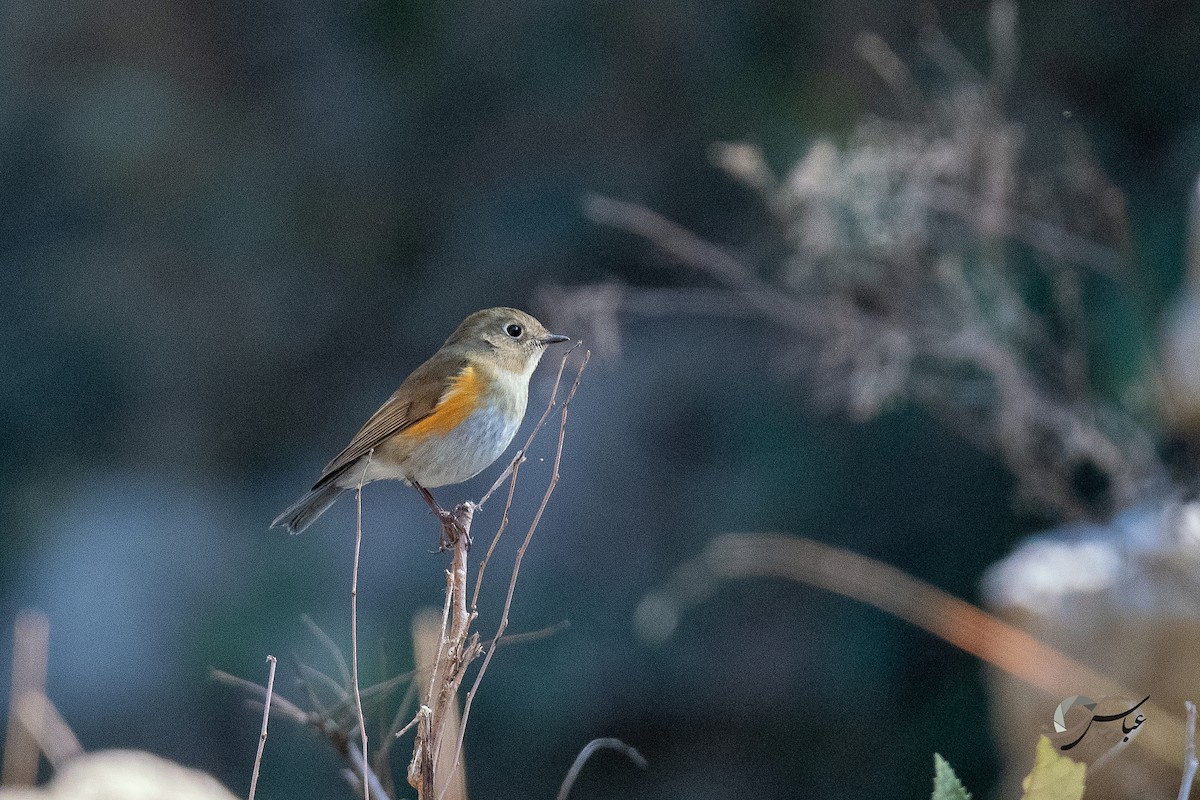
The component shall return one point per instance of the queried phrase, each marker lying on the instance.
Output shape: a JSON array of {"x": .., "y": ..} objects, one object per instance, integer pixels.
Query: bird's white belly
[
  {"x": 461, "y": 454},
  {"x": 464, "y": 452}
]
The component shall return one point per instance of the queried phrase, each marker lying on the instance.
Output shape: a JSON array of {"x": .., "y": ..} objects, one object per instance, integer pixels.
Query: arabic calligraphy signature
[{"x": 1090, "y": 704}]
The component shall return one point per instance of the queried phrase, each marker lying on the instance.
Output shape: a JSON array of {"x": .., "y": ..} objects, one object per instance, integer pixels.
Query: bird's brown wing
[{"x": 415, "y": 400}]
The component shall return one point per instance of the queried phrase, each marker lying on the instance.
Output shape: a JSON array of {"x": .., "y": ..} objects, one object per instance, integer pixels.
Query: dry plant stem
[
  {"x": 262, "y": 736},
  {"x": 586, "y": 753},
  {"x": 456, "y": 649},
  {"x": 310, "y": 674},
  {"x": 362, "y": 726},
  {"x": 1189, "y": 755},
  {"x": 31, "y": 653},
  {"x": 512, "y": 581},
  {"x": 430, "y": 634},
  {"x": 893, "y": 591}
]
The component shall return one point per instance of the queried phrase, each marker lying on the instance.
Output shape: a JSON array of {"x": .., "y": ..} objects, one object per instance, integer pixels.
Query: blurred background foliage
[{"x": 228, "y": 229}]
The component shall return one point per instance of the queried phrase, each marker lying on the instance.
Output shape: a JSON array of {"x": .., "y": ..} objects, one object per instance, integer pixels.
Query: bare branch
[
  {"x": 279, "y": 704},
  {"x": 909, "y": 347},
  {"x": 586, "y": 753},
  {"x": 262, "y": 736}
]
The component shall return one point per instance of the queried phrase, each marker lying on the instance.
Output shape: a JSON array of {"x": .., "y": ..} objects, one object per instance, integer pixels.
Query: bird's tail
[{"x": 302, "y": 513}]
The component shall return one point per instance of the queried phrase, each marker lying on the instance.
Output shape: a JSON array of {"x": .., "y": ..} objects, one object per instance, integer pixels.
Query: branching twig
[
  {"x": 512, "y": 582},
  {"x": 913, "y": 233},
  {"x": 262, "y": 736},
  {"x": 586, "y": 753}
]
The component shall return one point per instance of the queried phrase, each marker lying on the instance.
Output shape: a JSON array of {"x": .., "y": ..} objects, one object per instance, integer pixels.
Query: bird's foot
[{"x": 452, "y": 530}]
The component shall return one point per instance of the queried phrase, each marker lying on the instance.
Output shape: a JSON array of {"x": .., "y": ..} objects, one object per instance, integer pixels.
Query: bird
[{"x": 451, "y": 418}]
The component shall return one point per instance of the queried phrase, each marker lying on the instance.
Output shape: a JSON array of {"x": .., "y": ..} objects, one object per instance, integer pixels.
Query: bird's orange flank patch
[{"x": 457, "y": 403}]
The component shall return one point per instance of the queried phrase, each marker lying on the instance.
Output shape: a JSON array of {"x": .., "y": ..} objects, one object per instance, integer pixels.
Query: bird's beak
[{"x": 554, "y": 338}]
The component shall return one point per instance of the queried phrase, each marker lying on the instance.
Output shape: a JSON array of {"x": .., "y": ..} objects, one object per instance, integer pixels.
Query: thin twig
[
  {"x": 586, "y": 753},
  {"x": 512, "y": 582},
  {"x": 1189, "y": 753},
  {"x": 362, "y": 725},
  {"x": 384, "y": 752},
  {"x": 697, "y": 253},
  {"x": 411, "y": 724},
  {"x": 510, "y": 473},
  {"x": 508, "y": 501},
  {"x": 262, "y": 736}
]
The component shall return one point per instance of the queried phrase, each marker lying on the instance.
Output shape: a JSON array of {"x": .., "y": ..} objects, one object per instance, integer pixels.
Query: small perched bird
[{"x": 450, "y": 419}]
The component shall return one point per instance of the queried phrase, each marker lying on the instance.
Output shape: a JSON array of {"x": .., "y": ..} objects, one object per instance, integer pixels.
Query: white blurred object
[
  {"x": 124, "y": 775},
  {"x": 1122, "y": 598}
]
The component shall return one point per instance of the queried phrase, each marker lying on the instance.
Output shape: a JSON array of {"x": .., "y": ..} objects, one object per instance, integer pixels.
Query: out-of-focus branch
[
  {"x": 586, "y": 753},
  {"x": 742, "y": 555},
  {"x": 319, "y": 722},
  {"x": 695, "y": 252},
  {"x": 883, "y": 348},
  {"x": 31, "y": 652},
  {"x": 49, "y": 730},
  {"x": 939, "y": 259}
]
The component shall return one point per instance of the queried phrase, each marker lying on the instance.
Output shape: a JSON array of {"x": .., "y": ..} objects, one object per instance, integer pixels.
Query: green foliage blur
[{"x": 228, "y": 229}]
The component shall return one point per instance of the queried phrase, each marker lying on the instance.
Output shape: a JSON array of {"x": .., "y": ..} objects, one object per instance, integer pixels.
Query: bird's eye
[{"x": 514, "y": 330}]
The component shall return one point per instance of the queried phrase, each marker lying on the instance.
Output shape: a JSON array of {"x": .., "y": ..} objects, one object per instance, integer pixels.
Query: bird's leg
[{"x": 451, "y": 527}]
